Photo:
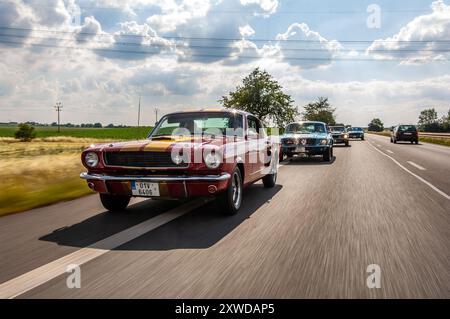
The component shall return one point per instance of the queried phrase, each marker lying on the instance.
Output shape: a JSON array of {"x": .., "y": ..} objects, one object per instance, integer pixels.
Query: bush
[{"x": 25, "y": 133}]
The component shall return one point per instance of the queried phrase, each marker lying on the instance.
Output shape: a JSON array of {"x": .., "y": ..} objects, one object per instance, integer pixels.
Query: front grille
[
  {"x": 337, "y": 136},
  {"x": 140, "y": 159}
]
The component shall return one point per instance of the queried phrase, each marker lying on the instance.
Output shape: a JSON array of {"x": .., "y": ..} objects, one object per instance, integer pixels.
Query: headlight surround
[
  {"x": 345, "y": 136},
  {"x": 91, "y": 159},
  {"x": 213, "y": 160},
  {"x": 323, "y": 142}
]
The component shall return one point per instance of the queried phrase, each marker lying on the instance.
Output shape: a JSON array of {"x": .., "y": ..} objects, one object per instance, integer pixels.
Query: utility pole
[
  {"x": 156, "y": 114},
  {"x": 58, "y": 108},
  {"x": 139, "y": 111}
]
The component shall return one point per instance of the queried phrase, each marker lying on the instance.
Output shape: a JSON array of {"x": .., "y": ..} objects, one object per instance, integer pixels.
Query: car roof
[
  {"x": 300, "y": 122},
  {"x": 212, "y": 110}
]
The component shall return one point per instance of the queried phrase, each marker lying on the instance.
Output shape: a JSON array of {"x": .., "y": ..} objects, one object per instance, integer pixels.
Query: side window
[{"x": 252, "y": 124}]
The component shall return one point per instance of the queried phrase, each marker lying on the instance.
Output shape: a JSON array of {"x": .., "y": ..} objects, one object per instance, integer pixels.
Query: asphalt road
[{"x": 313, "y": 235}]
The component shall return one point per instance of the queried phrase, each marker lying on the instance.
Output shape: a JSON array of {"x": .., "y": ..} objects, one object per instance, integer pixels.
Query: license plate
[
  {"x": 406, "y": 133},
  {"x": 300, "y": 149},
  {"x": 145, "y": 189}
]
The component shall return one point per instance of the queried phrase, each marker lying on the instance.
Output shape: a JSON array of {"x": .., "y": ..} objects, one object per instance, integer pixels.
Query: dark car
[
  {"x": 403, "y": 132},
  {"x": 340, "y": 135},
  {"x": 356, "y": 132}
]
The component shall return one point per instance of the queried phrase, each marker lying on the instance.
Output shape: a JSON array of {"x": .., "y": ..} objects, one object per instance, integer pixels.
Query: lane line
[
  {"x": 45, "y": 273},
  {"x": 415, "y": 175},
  {"x": 389, "y": 151},
  {"x": 416, "y": 165}
]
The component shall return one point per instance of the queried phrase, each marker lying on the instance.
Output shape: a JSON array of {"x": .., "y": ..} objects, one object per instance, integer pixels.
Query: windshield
[
  {"x": 407, "y": 128},
  {"x": 201, "y": 123},
  {"x": 305, "y": 128},
  {"x": 356, "y": 129},
  {"x": 337, "y": 128}
]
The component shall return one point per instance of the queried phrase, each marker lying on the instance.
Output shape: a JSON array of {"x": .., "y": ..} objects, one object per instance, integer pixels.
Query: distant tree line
[{"x": 429, "y": 121}]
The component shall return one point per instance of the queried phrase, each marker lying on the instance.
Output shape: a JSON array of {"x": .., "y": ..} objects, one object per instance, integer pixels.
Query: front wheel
[
  {"x": 417, "y": 142},
  {"x": 269, "y": 180},
  {"x": 327, "y": 155},
  {"x": 362, "y": 138},
  {"x": 114, "y": 203},
  {"x": 231, "y": 200},
  {"x": 346, "y": 144}
]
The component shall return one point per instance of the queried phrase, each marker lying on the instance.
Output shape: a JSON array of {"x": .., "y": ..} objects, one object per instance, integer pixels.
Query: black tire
[
  {"x": 114, "y": 203},
  {"x": 281, "y": 157},
  {"x": 230, "y": 201},
  {"x": 362, "y": 138},
  {"x": 417, "y": 142},
  {"x": 269, "y": 180},
  {"x": 391, "y": 140},
  {"x": 394, "y": 140},
  {"x": 327, "y": 155},
  {"x": 347, "y": 144}
]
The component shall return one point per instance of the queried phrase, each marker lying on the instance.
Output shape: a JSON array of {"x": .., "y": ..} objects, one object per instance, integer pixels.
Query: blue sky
[{"x": 188, "y": 53}]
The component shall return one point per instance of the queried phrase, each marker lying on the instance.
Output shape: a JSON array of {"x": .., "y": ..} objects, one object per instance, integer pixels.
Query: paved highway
[{"x": 313, "y": 235}]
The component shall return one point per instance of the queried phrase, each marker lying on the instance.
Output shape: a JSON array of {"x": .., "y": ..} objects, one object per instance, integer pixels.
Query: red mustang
[{"x": 187, "y": 154}]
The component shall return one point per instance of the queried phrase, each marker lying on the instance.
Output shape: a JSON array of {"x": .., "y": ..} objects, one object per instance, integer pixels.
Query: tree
[
  {"x": 25, "y": 132},
  {"x": 376, "y": 125},
  {"x": 321, "y": 111},
  {"x": 262, "y": 96},
  {"x": 446, "y": 122},
  {"x": 428, "y": 120}
]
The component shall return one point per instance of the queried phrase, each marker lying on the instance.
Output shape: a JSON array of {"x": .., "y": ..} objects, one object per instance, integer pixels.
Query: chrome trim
[{"x": 200, "y": 178}]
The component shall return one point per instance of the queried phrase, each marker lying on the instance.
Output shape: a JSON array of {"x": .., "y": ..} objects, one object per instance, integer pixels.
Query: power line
[
  {"x": 220, "y": 39},
  {"x": 162, "y": 53},
  {"x": 183, "y": 46}
]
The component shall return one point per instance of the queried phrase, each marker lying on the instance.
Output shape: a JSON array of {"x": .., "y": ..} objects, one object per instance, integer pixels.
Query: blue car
[
  {"x": 356, "y": 132},
  {"x": 307, "y": 138}
]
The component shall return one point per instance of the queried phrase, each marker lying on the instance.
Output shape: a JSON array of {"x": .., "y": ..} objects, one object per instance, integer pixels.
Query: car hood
[
  {"x": 310, "y": 135},
  {"x": 158, "y": 145}
]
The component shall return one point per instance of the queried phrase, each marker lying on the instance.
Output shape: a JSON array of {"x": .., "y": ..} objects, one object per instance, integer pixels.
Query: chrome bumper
[{"x": 197, "y": 178}]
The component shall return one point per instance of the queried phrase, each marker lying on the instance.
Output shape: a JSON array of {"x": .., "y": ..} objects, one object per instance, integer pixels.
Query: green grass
[
  {"x": 18, "y": 198},
  {"x": 128, "y": 133}
]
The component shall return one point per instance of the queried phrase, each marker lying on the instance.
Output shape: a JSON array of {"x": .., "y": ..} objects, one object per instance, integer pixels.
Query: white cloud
[
  {"x": 246, "y": 31},
  {"x": 303, "y": 47},
  {"x": 267, "y": 7},
  {"x": 420, "y": 41},
  {"x": 174, "y": 15}
]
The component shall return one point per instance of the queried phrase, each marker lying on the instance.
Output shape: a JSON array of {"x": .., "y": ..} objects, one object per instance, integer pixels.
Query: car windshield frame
[
  {"x": 338, "y": 129},
  {"x": 236, "y": 120},
  {"x": 316, "y": 130},
  {"x": 356, "y": 129}
]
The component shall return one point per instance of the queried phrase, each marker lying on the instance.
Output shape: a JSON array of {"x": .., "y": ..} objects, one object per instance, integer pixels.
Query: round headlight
[
  {"x": 91, "y": 159},
  {"x": 323, "y": 142},
  {"x": 345, "y": 135},
  {"x": 212, "y": 160},
  {"x": 178, "y": 159}
]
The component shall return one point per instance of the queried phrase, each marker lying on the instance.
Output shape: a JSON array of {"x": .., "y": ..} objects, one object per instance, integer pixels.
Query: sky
[{"x": 384, "y": 59}]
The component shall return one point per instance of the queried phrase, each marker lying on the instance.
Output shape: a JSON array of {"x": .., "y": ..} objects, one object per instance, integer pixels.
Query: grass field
[
  {"x": 128, "y": 133},
  {"x": 41, "y": 172}
]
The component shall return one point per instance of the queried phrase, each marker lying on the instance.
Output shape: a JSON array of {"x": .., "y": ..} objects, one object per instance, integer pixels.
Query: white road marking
[
  {"x": 378, "y": 145},
  {"x": 45, "y": 273},
  {"x": 415, "y": 175},
  {"x": 389, "y": 151},
  {"x": 416, "y": 166}
]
